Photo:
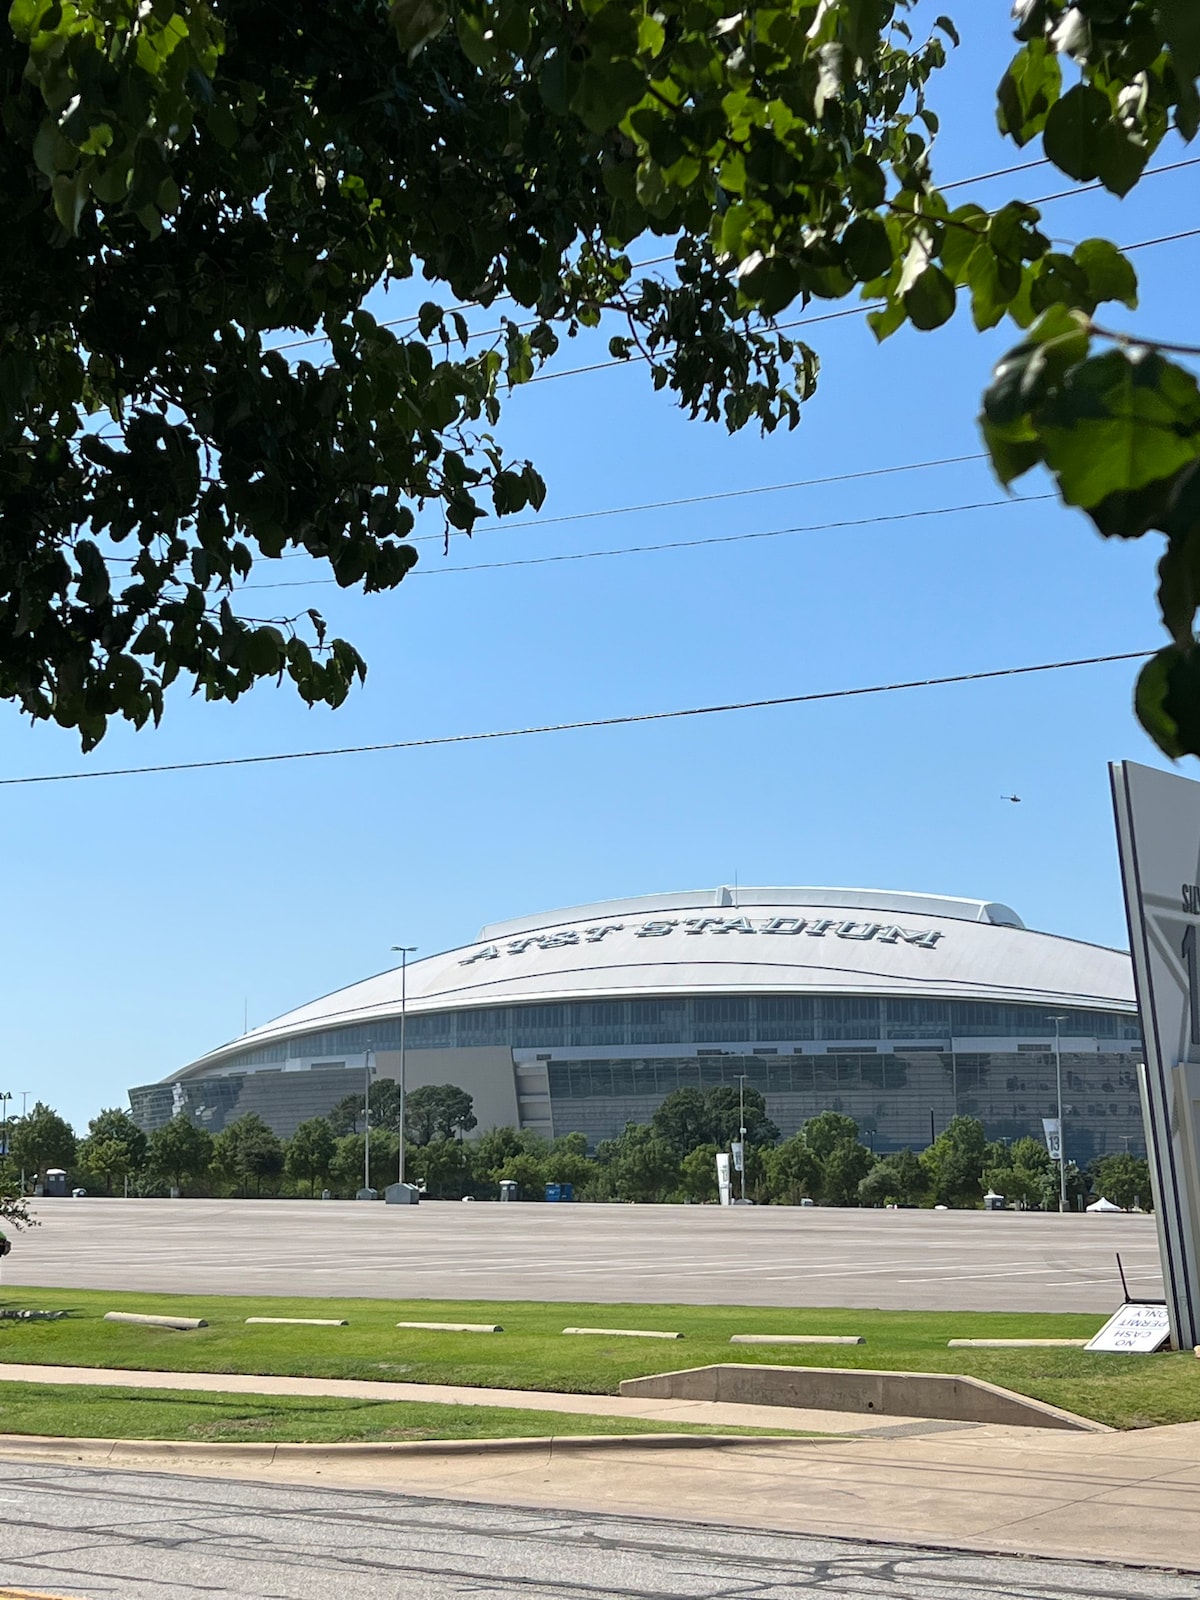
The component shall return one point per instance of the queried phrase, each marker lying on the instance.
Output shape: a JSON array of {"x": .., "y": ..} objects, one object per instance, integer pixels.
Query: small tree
[
  {"x": 897, "y": 1179},
  {"x": 115, "y": 1148},
  {"x": 826, "y": 1130},
  {"x": 180, "y": 1152},
  {"x": 698, "y": 1174},
  {"x": 40, "y": 1140},
  {"x": 644, "y": 1166},
  {"x": 526, "y": 1171},
  {"x": 843, "y": 1170},
  {"x": 684, "y": 1120},
  {"x": 1123, "y": 1179},
  {"x": 438, "y": 1111},
  {"x": 727, "y": 1105},
  {"x": 310, "y": 1151},
  {"x": 248, "y": 1151},
  {"x": 955, "y": 1162},
  {"x": 793, "y": 1172}
]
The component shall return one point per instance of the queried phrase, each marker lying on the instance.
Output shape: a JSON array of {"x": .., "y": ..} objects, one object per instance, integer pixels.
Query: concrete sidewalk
[
  {"x": 718, "y": 1414},
  {"x": 1129, "y": 1497}
]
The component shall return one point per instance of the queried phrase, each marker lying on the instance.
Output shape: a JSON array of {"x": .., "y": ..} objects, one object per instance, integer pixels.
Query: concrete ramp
[{"x": 863, "y": 1391}]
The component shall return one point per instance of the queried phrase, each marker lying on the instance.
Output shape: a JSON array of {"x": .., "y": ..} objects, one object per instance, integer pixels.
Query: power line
[
  {"x": 829, "y": 316},
  {"x": 591, "y": 722},
  {"x": 679, "y": 544},
  {"x": 506, "y": 526},
  {"x": 658, "y": 261}
]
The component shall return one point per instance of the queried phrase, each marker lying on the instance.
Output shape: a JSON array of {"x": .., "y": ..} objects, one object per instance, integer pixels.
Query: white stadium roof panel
[{"x": 757, "y": 941}]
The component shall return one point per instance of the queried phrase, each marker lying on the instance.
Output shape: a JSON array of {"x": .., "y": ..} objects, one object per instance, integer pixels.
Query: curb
[{"x": 267, "y": 1454}]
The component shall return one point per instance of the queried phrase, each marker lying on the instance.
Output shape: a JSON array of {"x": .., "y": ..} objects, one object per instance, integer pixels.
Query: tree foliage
[
  {"x": 438, "y": 1111},
  {"x": 189, "y": 186},
  {"x": 115, "y": 1147},
  {"x": 179, "y": 1151},
  {"x": 41, "y": 1139}
]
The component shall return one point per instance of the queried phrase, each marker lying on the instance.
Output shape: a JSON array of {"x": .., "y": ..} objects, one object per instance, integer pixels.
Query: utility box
[
  {"x": 994, "y": 1202},
  {"x": 402, "y": 1194},
  {"x": 55, "y": 1181},
  {"x": 508, "y": 1188}
]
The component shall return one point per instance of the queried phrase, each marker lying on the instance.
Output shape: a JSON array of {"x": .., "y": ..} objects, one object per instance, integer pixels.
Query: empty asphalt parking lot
[{"x": 696, "y": 1255}]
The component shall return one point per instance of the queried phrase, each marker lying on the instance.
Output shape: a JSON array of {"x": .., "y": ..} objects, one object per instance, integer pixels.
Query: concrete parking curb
[{"x": 266, "y": 1454}]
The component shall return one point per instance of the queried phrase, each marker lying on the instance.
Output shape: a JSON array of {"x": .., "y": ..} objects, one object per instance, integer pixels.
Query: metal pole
[
  {"x": 367, "y": 1118},
  {"x": 403, "y": 1009},
  {"x": 1062, "y": 1143},
  {"x": 25, "y": 1093},
  {"x": 405, "y": 950},
  {"x": 742, "y": 1125},
  {"x": 4, "y": 1099}
]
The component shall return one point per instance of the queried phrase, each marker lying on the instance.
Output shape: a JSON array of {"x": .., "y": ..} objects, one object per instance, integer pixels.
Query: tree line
[{"x": 670, "y": 1159}]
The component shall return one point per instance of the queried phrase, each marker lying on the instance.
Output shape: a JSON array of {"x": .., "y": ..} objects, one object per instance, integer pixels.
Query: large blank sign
[{"x": 1158, "y": 832}]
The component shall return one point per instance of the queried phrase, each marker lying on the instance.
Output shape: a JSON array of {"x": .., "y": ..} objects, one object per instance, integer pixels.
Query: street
[{"x": 149, "y": 1536}]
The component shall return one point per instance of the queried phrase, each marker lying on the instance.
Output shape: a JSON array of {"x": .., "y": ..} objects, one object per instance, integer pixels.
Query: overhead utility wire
[
  {"x": 658, "y": 261},
  {"x": 591, "y": 722},
  {"x": 829, "y": 316},
  {"x": 677, "y": 544},
  {"x": 720, "y": 494}
]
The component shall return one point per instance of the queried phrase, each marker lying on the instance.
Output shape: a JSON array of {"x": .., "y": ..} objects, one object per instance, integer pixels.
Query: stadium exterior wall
[{"x": 900, "y": 1010}]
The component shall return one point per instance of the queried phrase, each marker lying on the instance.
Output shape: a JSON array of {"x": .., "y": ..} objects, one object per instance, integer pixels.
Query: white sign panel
[
  {"x": 723, "y": 1186},
  {"x": 1052, "y": 1129},
  {"x": 737, "y": 1151},
  {"x": 1134, "y": 1330},
  {"x": 1158, "y": 832}
]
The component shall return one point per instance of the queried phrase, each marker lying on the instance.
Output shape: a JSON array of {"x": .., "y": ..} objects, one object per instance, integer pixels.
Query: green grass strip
[{"x": 1123, "y": 1391}]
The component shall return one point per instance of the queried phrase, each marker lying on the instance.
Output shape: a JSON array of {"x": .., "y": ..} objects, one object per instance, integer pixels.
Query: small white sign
[
  {"x": 1134, "y": 1330},
  {"x": 1052, "y": 1128},
  {"x": 736, "y": 1151},
  {"x": 723, "y": 1182}
]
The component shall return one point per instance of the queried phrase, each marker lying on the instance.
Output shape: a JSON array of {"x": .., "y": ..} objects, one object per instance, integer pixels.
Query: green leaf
[
  {"x": 868, "y": 248},
  {"x": 930, "y": 301},
  {"x": 993, "y": 280},
  {"x": 1108, "y": 273},
  {"x": 1027, "y": 91},
  {"x": 1118, "y": 422},
  {"x": 1154, "y": 687},
  {"x": 1072, "y": 134}
]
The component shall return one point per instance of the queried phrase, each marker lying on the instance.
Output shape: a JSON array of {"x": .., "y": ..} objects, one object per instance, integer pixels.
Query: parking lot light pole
[
  {"x": 742, "y": 1125},
  {"x": 367, "y": 1116},
  {"x": 5, "y": 1097},
  {"x": 1062, "y": 1143},
  {"x": 404, "y": 951}
]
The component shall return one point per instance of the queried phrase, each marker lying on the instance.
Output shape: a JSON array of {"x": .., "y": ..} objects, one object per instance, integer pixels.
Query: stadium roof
[{"x": 727, "y": 941}]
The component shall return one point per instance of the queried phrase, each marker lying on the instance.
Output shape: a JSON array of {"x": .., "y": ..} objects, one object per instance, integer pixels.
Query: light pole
[
  {"x": 25, "y": 1093},
  {"x": 742, "y": 1125},
  {"x": 404, "y": 951},
  {"x": 1062, "y": 1143},
  {"x": 5, "y": 1097},
  {"x": 367, "y": 1116}
]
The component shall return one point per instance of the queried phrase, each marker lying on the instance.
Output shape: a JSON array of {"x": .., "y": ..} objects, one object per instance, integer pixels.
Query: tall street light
[
  {"x": 367, "y": 1115},
  {"x": 5, "y": 1097},
  {"x": 404, "y": 951},
  {"x": 742, "y": 1125},
  {"x": 1062, "y": 1143}
]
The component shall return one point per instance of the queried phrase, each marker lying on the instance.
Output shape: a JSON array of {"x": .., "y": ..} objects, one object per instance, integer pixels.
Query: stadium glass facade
[{"x": 898, "y": 1064}]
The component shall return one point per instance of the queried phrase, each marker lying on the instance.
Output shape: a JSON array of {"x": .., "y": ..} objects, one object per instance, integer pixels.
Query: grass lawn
[
  {"x": 92, "y": 1413},
  {"x": 1124, "y": 1391}
]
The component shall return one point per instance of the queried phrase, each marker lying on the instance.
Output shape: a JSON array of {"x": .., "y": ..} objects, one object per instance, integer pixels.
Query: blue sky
[{"x": 147, "y": 916}]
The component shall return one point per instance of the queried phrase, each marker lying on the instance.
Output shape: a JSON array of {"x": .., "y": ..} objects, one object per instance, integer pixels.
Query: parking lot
[{"x": 692, "y": 1255}]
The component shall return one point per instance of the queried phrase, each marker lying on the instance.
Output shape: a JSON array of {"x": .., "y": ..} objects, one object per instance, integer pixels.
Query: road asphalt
[
  {"x": 116, "y": 1535},
  {"x": 684, "y": 1255}
]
